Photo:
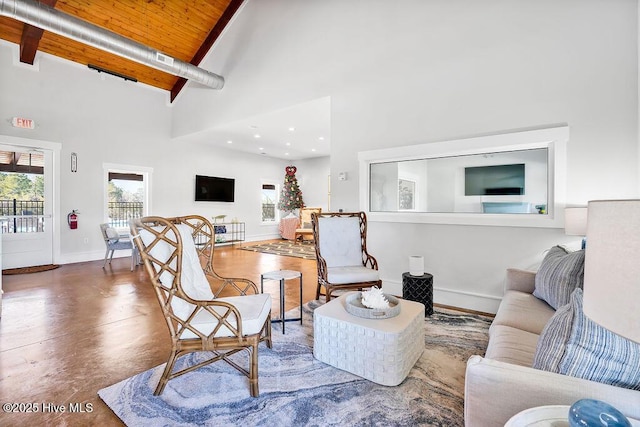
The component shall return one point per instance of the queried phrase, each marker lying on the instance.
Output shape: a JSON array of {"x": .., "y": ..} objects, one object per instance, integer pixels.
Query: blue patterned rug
[{"x": 298, "y": 390}]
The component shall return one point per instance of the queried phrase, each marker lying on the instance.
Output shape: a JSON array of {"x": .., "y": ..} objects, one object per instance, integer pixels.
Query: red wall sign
[{"x": 21, "y": 122}]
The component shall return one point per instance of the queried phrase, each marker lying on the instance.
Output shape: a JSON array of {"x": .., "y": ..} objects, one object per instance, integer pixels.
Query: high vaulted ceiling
[{"x": 184, "y": 30}]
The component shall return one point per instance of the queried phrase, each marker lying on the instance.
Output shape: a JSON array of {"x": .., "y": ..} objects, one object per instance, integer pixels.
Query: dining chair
[{"x": 114, "y": 241}]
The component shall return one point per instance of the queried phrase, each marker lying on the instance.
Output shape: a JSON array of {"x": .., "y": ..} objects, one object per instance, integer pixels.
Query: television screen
[
  {"x": 214, "y": 189},
  {"x": 498, "y": 180}
]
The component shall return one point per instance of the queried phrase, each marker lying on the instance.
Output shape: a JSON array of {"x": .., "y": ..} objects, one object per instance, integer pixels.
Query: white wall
[
  {"x": 313, "y": 179},
  {"x": 107, "y": 120},
  {"x": 437, "y": 70}
]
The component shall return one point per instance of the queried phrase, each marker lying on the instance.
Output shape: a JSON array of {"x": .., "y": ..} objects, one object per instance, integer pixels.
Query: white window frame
[
  {"x": 276, "y": 210},
  {"x": 146, "y": 173},
  {"x": 554, "y": 139}
]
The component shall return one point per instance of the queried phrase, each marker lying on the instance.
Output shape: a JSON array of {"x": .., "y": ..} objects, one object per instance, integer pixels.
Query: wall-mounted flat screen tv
[
  {"x": 214, "y": 189},
  {"x": 497, "y": 180}
]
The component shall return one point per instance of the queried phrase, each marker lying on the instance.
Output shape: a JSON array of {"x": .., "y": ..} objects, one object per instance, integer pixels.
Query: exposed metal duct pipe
[{"x": 49, "y": 19}]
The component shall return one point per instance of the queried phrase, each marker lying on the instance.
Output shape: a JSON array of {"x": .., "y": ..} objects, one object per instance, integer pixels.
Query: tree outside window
[
  {"x": 269, "y": 201},
  {"x": 22, "y": 191},
  {"x": 126, "y": 199}
]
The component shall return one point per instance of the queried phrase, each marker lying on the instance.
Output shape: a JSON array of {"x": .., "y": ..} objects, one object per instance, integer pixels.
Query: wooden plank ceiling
[
  {"x": 32, "y": 162},
  {"x": 184, "y": 29}
]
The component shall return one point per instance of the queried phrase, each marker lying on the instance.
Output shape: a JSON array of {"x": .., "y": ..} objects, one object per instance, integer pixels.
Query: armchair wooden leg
[
  {"x": 164, "y": 379},
  {"x": 253, "y": 370},
  {"x": 266, "y": 332},
  {"x": 328, "y": 289}
]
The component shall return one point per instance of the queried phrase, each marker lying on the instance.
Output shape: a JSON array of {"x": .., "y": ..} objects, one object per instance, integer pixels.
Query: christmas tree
[{"x": 291, "y": 197}]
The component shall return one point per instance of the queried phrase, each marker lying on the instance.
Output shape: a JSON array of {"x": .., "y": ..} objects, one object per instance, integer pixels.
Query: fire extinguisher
[{"x": 72, "y": 219}]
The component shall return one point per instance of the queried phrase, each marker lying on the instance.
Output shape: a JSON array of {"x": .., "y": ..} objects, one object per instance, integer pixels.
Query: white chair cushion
[
  {"x": 253, "y": 309},
  {"x": 351, "y": 274},
  {"x": 193, "y": 280},
  {"x": 340, "y": 242}
]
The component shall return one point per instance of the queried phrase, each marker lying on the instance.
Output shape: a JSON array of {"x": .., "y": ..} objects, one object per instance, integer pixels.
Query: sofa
[{"x": 503, "y": 382}]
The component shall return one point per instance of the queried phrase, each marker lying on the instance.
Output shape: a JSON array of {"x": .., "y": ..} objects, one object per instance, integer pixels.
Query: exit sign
[{"x": 21, "y": 122}]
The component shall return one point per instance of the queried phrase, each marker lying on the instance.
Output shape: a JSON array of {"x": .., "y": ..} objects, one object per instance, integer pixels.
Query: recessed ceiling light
[
  {"x": 257, "y": 135},
  {"x": 291, "y": 129},
  {"x": 229, "y": 142}
]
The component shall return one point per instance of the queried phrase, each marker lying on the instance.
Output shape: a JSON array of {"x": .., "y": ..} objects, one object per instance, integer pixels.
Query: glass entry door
[{"x": 26, "y": 206}]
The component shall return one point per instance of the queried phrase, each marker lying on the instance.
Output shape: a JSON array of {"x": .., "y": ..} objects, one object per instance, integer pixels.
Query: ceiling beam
[
  {"x": 31, "y": 38},
  {"x": 213, "y": 35}
]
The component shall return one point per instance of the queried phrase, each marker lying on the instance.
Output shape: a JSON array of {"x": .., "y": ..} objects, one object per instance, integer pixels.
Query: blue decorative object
[{"x": 596, "y": 413}]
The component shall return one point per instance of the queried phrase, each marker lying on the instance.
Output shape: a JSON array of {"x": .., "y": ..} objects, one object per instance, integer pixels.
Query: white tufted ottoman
[{"x": 380, "y": 350}]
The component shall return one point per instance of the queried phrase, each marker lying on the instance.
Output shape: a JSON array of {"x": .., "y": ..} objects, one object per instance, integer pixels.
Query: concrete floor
[{"x": 67, "y": 333}]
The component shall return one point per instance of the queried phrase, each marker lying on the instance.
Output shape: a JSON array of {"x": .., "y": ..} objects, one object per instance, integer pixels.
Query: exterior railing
[
  {"x": 27, "y": 216},
  {"x": 121, "y": 212},
  {"x": 23, "y": 216}
]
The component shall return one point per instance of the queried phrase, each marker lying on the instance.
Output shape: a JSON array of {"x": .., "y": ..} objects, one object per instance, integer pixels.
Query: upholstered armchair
[
  {"x": 203, "y": 311},
  {"x": 341, "y": 252}
]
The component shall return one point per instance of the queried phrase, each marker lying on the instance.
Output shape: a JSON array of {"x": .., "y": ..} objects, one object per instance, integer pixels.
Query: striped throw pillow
[
  {"x": 560, "y": 273},
  {"x": 554, "y": 338},
  {"x": 597, "y": 354}
]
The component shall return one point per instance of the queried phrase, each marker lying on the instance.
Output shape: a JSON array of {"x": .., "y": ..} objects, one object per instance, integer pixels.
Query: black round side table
[{"x": 419, "y": 289}]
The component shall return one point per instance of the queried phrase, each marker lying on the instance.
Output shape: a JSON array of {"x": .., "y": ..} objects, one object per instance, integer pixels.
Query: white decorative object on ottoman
[{"x": 380, "y": 350}]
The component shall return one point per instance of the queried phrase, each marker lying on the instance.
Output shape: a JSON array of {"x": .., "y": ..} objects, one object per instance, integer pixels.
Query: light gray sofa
[{"x": 502, "y": 383}]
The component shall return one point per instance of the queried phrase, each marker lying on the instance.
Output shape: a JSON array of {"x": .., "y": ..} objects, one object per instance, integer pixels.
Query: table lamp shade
[
  {"x": 575, "y": 221},
  {"x": 612, "y": 266}
]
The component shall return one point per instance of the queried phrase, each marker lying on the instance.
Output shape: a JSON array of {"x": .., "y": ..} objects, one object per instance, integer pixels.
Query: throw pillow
[
  {"x": 597, "y": 354},
  {"x": 560, "y": 273},
  {"x": 554, "y": 337}
]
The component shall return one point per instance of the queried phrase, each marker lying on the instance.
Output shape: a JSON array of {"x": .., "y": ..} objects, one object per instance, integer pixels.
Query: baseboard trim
[
  {"x": 89, "y": 256},
  {"x": 454, "y": 298},
  {"x": 464, "y": 310}
]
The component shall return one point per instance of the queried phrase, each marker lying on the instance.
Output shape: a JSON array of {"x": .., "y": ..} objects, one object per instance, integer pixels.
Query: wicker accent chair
[
  {"x": 341, "y": 252},
  {"x": 304, "y": 227},
  {"x": 203, "y": 311}
]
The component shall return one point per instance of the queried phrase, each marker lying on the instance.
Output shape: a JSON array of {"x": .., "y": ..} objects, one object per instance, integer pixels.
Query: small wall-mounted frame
[
  {"x": 74, "y": 162},
  {"x": 406, "y": 195}
]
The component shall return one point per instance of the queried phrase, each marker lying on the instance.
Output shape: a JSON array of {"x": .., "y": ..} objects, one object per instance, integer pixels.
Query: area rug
[
  {"x": 304, "y": 250},
  {"x": 298, "y": 390},
  {"x": 34, "y": 269}
]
